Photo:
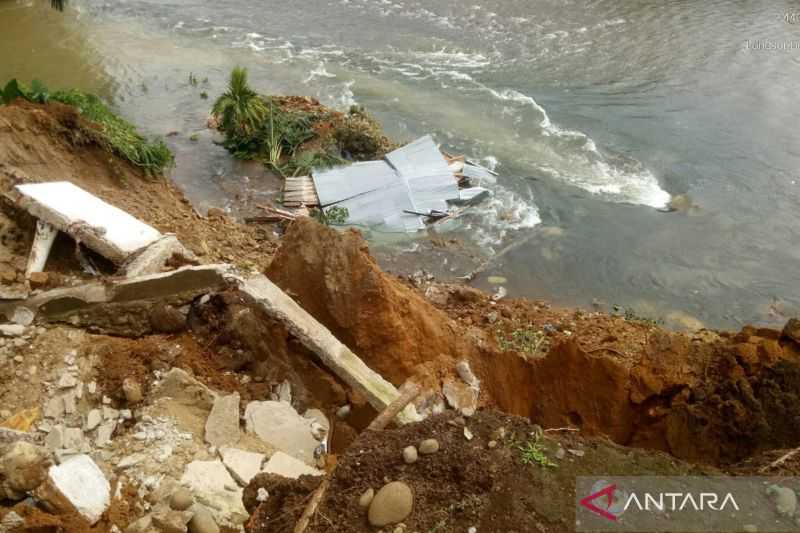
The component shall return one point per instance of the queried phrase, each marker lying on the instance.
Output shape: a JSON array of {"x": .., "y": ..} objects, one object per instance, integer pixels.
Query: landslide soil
[{"x": 48, "y": 142}]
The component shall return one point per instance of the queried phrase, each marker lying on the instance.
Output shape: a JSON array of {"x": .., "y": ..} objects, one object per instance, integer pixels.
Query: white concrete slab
[{"x": 106, "y": 229}]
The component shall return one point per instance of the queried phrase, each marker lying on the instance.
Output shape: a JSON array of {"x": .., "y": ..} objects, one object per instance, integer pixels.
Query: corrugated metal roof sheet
[{"x": 413, "y": 178}]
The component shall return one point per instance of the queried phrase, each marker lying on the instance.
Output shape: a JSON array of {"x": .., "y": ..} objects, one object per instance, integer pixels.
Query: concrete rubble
[
  {"x": 77, "y": 485},
  {"x": 281, "y": 426}
]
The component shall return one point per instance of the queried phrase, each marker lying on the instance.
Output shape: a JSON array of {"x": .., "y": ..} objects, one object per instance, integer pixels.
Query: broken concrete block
[
  {"x": 104, "y": 433},
  {"x": 278, "y": 424},
  {"x": 73, "y": 438},
  {"x": 55, "y": 439},
  {"x": 154, "y": 257},
  {"x": 317, "y": 338},
  {"x": 222, "y": 425},
  {"x": 54, "y": 408},
  {"x": 213, "y": 486},
  {"x": 77, "y": 485},
  {"x": 106, "y": 229},
  {"x": 11, "y": 330},
  {"x": 93, "y": 419},
  {"x": 242, "y": 465},
  {"x": 460, "y": 396},
  {"x": 287, "y": 466}
]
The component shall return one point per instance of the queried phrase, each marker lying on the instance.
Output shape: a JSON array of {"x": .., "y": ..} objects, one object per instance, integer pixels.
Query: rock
[
  {"x": 11, "y": 521},
  {"x": 38, "y": 280},
  {"x": 54, "y": 408},
  {"x": 212, "y": 485},
  {"x": 67, "y": 381},
  {"x": 428, "y": 446},
  {"x": 242, "y": 465},
  {"x": 73, "y": 438},
  {"x": 392, "y": 504},
  {"x": 77, "y": 485},
  {"x": 169, "y": 520},
  {"x": 203, "y": 521},
  {"x": 284, "y": 392},
  {"x": 222, "y": 425},
  {"x": 460, "y": 396},
  {"x": 132, "y": 390},
  {"x": 278, "y": 424},
  {"x": 23, "y": 316},
  {"x": 343, "y": 411},
  {"x": 784, "y": 498},
  {"x": 142, "y": 525},
  {"x": 465, "y": 373},
  {"x": 179, "y": 385},
  {"x": 492, "y": 444},
  {"x": 410, "y": 455},
  {"x": 55, "y": 438},
  {"x": 181, "y": 499},
  {"x": 22, "y": 468},
  {"x": 792, "y": 330},
  {"x": 320, "y": 426},
  {"x": 11, "y": 330},
  {"x": 167, "y": 319},
  {"x": 366, "y": 498},
  {"x": 287, "y": 466},
  {"x": 104, "y": 433},
  {"x": 93, "y": 419},
  {"x": 468, "y": 434}
]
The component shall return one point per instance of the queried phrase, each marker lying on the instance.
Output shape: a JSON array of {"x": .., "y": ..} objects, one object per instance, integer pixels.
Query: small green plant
[
  {"x": 631, "y": 315},
  {"x": 333, "y": 216},
  {"x": 533, "y": 452},
  {"x": 527, "y": 340},
  {"x": 194, "y": 137},
  {"x": 192, "y": 79},
  {"x": 204, "y": 95},
  {"x": 360, "y": 137}
]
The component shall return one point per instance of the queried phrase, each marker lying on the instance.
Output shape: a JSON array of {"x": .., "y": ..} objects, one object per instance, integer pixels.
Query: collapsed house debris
[{"x": 398, "y": 193}]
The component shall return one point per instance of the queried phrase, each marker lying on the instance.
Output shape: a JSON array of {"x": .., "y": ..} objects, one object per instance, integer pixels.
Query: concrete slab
[
  {"x": 278, "y": 424},
  {"x": 287, "y": 466},
  {"x": 106, "y": 229},
  {"x": 77, "y": 485}
]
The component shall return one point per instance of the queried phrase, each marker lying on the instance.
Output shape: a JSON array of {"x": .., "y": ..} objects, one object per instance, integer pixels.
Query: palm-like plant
[{"x": 239, "y": 110}]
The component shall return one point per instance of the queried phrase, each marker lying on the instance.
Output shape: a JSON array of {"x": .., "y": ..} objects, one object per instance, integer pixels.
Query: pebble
[
  {"x": 560, "y": 453},
  {"x": 784, "y": 498},
  {"x": 410, "y": 454},
  {"x": 262, "y": 495},
  {"x": 132, "y": 390},
  {"x": 492, "y": 444},
  {"x": 343, "y": 411},
  {"x": 203, "y": 522},
  {"x": 181, "y": 499},
  {"x": 468, "y": 434},
  {"x": 391, "y": 504},
  {"x": 577, "y": 453},
  {"x": 366, "y": 498},
  {"x": 428, "y": 446}
]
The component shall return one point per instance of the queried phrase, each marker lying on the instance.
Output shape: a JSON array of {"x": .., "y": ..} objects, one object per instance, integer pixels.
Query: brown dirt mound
[
  {"x": 46, "y": 143},
  {"x": 466, "y": 483}
]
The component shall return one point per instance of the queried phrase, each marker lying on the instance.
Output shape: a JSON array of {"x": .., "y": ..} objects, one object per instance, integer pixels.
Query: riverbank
[{"x": 152, "y": 390}]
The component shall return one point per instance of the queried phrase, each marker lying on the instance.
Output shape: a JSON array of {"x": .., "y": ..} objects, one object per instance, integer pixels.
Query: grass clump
[
  {"x": 533, "y": 452},
  {"x": 114, "y": 133},
  {"x": 527, "y": 340},
  {"x": 293, "y": 135}
]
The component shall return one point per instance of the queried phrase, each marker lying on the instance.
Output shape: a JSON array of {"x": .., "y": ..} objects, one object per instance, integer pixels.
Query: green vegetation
[
  {"x": 533, "y": 452},
  {"x": 526, "y": 340},
  {"x": 292, "y": 135},
  {"x": 333, "y": 216},
  {"x": 631, "y": 315},
  {"x": 112, "y": 132}
]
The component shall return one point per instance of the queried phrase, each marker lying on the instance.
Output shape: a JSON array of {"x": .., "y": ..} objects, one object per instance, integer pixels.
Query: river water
[{"x": 593, "y": 113}]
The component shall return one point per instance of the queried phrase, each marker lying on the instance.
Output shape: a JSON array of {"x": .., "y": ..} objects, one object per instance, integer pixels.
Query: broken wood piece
[
  {"x": 104, "y": 228},
  {"x": 40, "y": 250},
  {"x": 317, "y": 338}
]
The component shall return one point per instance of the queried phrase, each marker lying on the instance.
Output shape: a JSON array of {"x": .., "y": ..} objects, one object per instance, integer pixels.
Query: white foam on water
[
  {"x": 501, "y": 214},
  {"x": 318, "y": 72}
]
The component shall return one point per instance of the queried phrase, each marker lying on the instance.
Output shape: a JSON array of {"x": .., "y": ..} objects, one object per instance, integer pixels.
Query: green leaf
[{"x": 12, "y": 91}]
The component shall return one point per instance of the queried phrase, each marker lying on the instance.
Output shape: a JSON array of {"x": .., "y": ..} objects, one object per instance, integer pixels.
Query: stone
[
  {"x": 343, "y": 411},
  {"x": 93, "y": 419},
  {"x": 278, "y": 424},
  {"x": 54, "y": 408},
  {"x": 142, "y": 525},
  {"x": 287, "y": 466},
  {"x": 366, "y": 498},
  {"x": 38, "y": 280},
  {"x": 11, "y": 330},
  {"x": 284, "y": 392},
  {"x": 212, "y": 485},
  {"x": 167, "y": 319},
  {"x": 73, "y": 438},
  {"x": 22, "y": 468},
  {"x": 67, "y": 381},
  {"x": 202, "y": 521},
  {"x": 392, "y": 504},
  {"x": 792, "y": 330},
  {"x": 428, "y": 446},
  {"x": 784, "y": 498},
  {"x": 222, "y": 425},
  {"x": 77, "y": 485},
  {"x": 410, "y": 455},
  {"x": 132, "y": 390},
  {"x": 242, "y": 465},
  {"x": 153, "y": 258},
  {"x": 320, "y": 426},
  {"x": 465, "y": 373},
  {"x": 11, "y": 521},
  {"x": 169, "y": 520},
  {"x": 55, "y": 438},
  {"x": 181, "y": 499},
  {"x": 105, "y": 432},
  {"x": 23, "y": 316},
  {"x": 460, "y": 396}
]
